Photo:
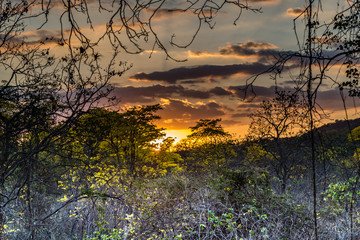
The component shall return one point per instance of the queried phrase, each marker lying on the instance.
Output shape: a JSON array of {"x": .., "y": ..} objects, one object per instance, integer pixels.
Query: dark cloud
[
  {"x": 148, "y": 94},
  {"x": 189, "y": 93},
  {"x": 249, "y": 48},
  {"x": 235, "y": 49},
  {"x": 266, "y": 55},
  {"x": 265, "y": 52},
  {"x": 328, "y": 100},
  {"x": 219, "y": 91},
  {"x": 132, "y": 94},
  {"x": 42, "y": 36},
  {"x": 162, "y": 13},
  {"x": 194, "y": 81},
  {"x": 35, "y": 37},
  {"x": 204, "y": 71},
  {"x": 253, "y": 93},
  {"x": 246, "y": 49},
  {"x": 331, "y": 100}
]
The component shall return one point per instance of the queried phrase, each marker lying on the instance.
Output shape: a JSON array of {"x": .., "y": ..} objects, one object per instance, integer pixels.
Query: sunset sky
[{"x": 220, "y": 60}]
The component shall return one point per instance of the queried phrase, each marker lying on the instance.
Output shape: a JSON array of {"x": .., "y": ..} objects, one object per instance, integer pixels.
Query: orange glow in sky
[{"x": 177, "y": 134}]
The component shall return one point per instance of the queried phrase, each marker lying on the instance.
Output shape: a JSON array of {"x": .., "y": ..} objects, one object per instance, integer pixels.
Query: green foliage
[
  {"x": 123, "y": 141},
  {"x": 208, "y": 130},
  {"x": 340, "y": 209},
  {"x": 208, "y": 147},
  {"x": 341, "y": 192},
  {"x": 344, "y": 37},
  {"x": 256, "y": 154},
  {"x": 354, "y": 136}
]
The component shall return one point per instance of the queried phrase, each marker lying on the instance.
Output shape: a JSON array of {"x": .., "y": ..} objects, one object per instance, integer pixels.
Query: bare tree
[
  {"x": 276, "y": 121},
  {"x": 43, "y": 93}
]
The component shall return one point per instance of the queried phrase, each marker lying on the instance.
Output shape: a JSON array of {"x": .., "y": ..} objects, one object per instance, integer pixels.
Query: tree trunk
[
  {"x": 29, "y": 220},
  {"x": 311, "y": 109}
]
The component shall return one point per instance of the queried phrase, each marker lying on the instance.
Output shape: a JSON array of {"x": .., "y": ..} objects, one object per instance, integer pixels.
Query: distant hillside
[{"x": 340, "y": 126}]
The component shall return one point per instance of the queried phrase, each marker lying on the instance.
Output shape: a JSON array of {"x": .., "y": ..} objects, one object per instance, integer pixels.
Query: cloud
[
  {"x": 247, "y": 105},
  {"x": 294, "y": 12},
  {"x": 249, "y": 48},
  {"x": 180, "y": 114},
  {"x": 270, "y": 2},
  {"x": 197, "y": 81},
  {"x": 132, "y": 94},
  {"x": 331, "y": 100},
  {"x": 255, "y": 93},
  {"x": 174, "y": 75},
  {"x": 45, "y": 36},
  {"x": 144, "y": 95},
  {"x": 264, "y": 52},
  {"x": 249, "y": 45},
  {"x": 249, "y": 51},
  {"x": 241, "y": 115},
  {"x": 164, "y": 13},
  {"x": 61, "y": 4},
  {"x": 219, "y": 91},
  {"x": 328, "y": 100}
]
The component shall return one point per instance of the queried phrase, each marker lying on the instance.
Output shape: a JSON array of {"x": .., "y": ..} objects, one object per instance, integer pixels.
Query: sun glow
[{"x": 177, "y": 134}]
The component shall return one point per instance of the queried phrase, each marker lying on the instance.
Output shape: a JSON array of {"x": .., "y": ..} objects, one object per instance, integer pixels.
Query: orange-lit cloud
[
  {"x": 181, "y": 114},
  {"x": 294, "y": 12}
]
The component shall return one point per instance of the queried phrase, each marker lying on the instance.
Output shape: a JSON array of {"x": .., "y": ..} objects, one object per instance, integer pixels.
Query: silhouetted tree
[
  {"x": 274, "y": 123},
  {"x": 208, "y": 147}
]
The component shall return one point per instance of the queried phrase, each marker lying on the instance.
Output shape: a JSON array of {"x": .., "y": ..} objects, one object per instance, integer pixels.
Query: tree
[
  {"x": 324, "y": 45},
  {"x": 125, "y": 140},
  {"x": 43, "y": 93},
  {"x": 340, "y": 36},
  {"x": 165, "y": 159},
  {"x": 139, "y": 132},
  {"x": 208, "y": 147},
  {"x": 275, "y": 123},
  {"x": 39, "y": 101}
]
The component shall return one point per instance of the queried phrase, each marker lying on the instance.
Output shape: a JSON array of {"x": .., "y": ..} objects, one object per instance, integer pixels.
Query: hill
[{"x": 340, "y": 126}]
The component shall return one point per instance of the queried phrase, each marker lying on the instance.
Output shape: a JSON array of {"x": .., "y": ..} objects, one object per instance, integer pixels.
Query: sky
[{"x": 220, "y": 60}]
